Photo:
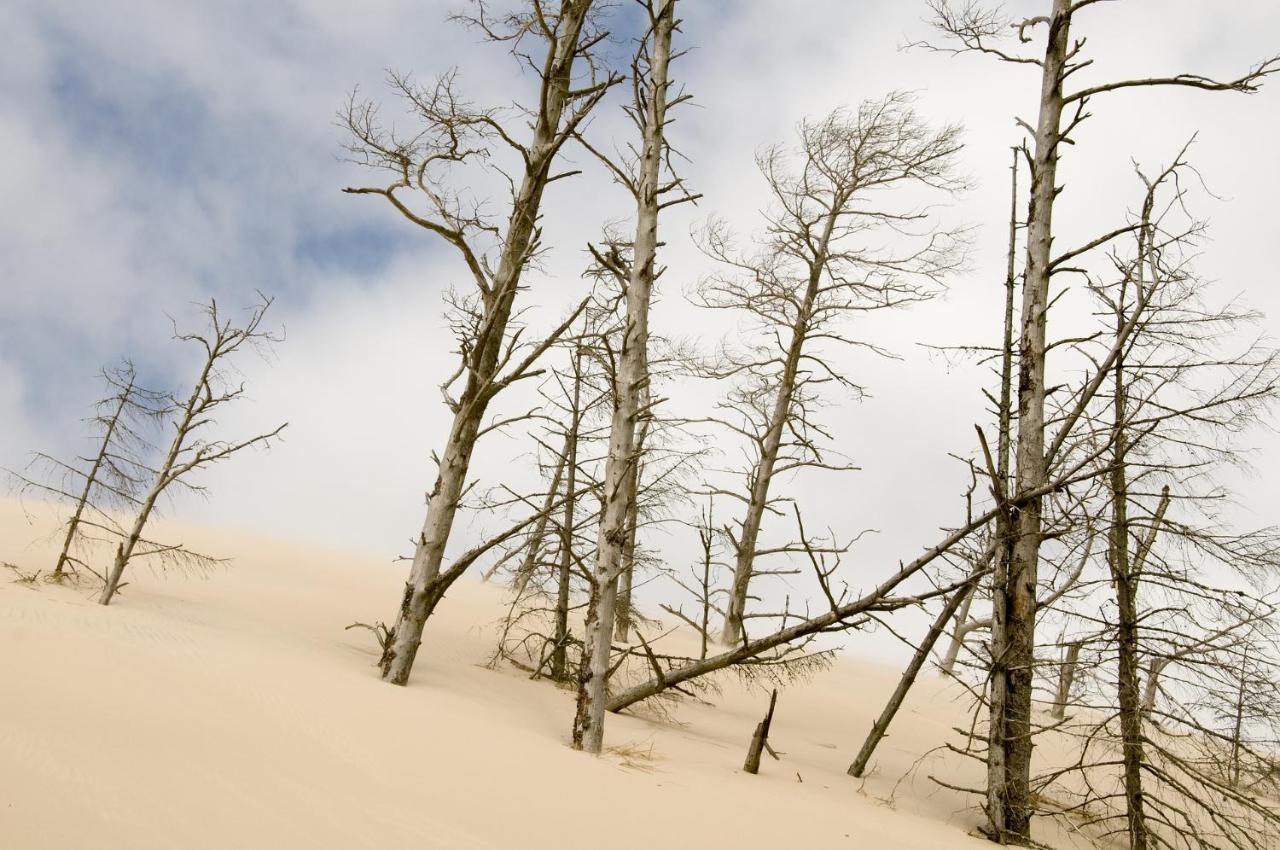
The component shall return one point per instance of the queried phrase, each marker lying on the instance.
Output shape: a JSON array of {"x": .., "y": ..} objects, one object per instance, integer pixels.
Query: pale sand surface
[{"x": 234, "y": 711}]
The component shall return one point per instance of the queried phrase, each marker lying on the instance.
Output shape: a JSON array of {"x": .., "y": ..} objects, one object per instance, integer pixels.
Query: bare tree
[
  {"x": 822, "y": 259},
  {"x": 190, "y": 451},
  {"x": 644, "y": 178},
  {"x": 109, "y": 481},
  {"x": 972, "y": 27},
  {"x": 454, "y": 133},
  {"x": 1179, "y": 396}
]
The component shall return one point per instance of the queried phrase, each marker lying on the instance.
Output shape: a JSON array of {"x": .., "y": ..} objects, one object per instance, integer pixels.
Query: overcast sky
[{"x": 154, "y": 154}]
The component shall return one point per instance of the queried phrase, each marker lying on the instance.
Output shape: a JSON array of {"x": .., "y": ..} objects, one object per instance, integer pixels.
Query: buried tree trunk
[{"x": 760, "y": 739}]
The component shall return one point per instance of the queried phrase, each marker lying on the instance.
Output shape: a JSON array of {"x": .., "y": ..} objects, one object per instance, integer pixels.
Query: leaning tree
[
  {"x": 192, "y": 449},
  {"x": 428, "y": 168}
]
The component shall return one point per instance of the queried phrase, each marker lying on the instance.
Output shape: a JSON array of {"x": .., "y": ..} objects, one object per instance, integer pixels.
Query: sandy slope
[{"x": 235, "y": 712}]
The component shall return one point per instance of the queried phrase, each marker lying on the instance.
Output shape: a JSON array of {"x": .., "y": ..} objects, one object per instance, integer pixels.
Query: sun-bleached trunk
[
  {"x": 1009, "y": 800},
  {"x": 1066, "y": 680},
  {"x": 760, "y": 738},
  {"x": 631, "y": 382},
  {"x": 425, "y": 586},
  {"x": 958, "y": 632}
]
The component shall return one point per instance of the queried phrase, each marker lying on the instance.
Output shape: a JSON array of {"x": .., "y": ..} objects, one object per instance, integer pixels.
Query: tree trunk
[
  {"x": 90, "y": 479},
  {"x": 760, "y": 739},
  {"x": 877, "y": 599},
  {"x": 1009, "y": 783},
  {"x": 762, "y": 475},
  {"x": 559, "y": 652},
  {"x": 631, "y": 382},
  {"x": 952, "y": 655},
  {"x": 424, "y": 589},
  {"x": 997, "y": 687},
  {"x": 164, "y": 477},
  {"x": 1066, "y": 678},
  {"x": 622, "y": 628},
  {"x": 529, "y": 565},
  {"x": 881, "y": 726}
]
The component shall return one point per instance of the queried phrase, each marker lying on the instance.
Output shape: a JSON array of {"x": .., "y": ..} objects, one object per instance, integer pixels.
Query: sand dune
[{"x": 234, "y": 711}]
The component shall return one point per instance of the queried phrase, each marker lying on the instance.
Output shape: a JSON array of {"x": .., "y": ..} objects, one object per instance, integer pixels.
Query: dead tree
[
  {"x": 109, "y": 481},
  {"x": 1178, "y": 392},
  {"x": 973, "y": 28},
  {"x": 760, "y": 738},
  {"x": 845, "y": 611},
  {"x": 566, "y": 558},
  {"x": 705, "y": 588},
  {"x": 881, "y": 726},
  {"x": 537, "y": 633},
  {"x": 652, "y": 190},
  {"x": 540, "y": 630},
  {"x": 190, "y": 450},
  {"x": 822, "y": 260},
  {"x": 455, "y": 134}
]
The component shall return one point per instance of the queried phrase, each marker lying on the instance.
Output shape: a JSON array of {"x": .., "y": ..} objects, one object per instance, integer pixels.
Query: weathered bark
[
  {"x": 631, "y": 381},
  {"x": 1066, "y": 679},
  {"x": 426, "y": 584},
  {"x": 881, "y": 725},
  {"x": 760, "y": 738},
  {"x": 1009, "y": 803},
  {"x": 997, "y": 681},
  {"x": 91, "y": 477}
]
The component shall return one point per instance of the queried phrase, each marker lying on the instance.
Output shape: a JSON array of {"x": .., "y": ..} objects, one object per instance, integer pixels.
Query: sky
[{"x": 157, "y": 153}]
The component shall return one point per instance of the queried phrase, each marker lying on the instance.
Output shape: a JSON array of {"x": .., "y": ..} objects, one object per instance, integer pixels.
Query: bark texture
[
  {"x": 1009, "y": 805},
  {"x": 631, "y": 382}
]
